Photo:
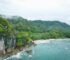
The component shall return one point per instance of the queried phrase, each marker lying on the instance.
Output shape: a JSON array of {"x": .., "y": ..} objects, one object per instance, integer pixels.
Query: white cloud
[{"x": 37, "y": 9}]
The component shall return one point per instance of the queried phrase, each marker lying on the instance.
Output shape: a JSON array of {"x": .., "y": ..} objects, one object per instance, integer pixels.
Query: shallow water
[{"x": 55, "y": 50}]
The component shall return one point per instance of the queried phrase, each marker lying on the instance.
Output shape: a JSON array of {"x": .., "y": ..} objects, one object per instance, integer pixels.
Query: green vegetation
[
  {"x": 17, "y": 31},
  {"x": 41, "y": 29},
  {"x": 22, "y": 38},
  {"x": 6, "y": 33}
]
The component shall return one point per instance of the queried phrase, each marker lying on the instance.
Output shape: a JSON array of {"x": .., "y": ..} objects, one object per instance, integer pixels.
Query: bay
[{"x": 54, "y": 50}]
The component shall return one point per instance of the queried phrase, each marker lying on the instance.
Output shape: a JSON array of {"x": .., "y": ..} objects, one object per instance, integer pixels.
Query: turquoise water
[{"x": 55, "y": 50}]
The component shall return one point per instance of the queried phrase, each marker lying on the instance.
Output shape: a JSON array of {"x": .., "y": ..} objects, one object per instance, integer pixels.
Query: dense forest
[
  {"x": 17, "y": 31},
  {"x": 39, "y": 29}
]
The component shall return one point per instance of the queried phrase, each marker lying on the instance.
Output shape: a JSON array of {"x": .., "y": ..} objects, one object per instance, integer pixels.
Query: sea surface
[{"x": 54, "y": 50}]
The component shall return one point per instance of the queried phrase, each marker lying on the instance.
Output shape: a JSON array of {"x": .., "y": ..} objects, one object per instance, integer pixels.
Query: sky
[{"x": 48, "y": 10}]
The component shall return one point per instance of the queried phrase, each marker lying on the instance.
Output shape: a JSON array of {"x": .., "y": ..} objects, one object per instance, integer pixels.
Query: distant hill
[
  {"x": 38, "y": 25},
  {"x": 49, "y": 25}
]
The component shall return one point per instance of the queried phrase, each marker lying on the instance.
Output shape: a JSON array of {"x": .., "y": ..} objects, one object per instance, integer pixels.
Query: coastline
[
  {"x": 47, "y": 40},
  {"x": 16, "y": 52},
  {"x": 13, "y": 52}
]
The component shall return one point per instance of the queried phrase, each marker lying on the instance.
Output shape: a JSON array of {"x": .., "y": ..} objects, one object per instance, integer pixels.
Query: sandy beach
[
  {"x": 47, "y": 40},
  {"x": 41, "y": 41}
]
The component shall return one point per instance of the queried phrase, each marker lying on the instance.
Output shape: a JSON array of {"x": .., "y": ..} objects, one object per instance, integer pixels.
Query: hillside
[
  {"x": 50, "y": 25},
  {"x": 38, "y": 25},
  {"x": 39, "y": 29}
]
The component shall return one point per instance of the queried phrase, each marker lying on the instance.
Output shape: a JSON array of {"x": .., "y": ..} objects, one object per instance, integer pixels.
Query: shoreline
[
  {"x": 17, "y": 51},
  {"x": 41, "y": 41},
  {"x": 17, "y": 55}
]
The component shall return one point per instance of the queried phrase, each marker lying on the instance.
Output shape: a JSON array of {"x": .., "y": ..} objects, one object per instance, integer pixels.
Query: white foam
[
  {"x": 14, "y": 56},
  {"x": 18, "y": 55},
  {"x": 30, "y": 56},
  {"x": 7, "y": 58}
]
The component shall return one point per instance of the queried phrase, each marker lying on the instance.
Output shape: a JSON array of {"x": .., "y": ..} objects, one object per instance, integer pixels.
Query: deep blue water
[{"x": 55, "y": 50}]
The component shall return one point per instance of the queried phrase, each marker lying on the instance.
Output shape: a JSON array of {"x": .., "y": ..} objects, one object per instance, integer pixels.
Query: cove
[{"x": 54, "y": 50}]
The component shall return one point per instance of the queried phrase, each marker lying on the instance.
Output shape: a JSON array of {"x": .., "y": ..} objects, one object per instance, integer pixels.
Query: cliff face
[
  {"x": 7, "y": 46},
  {"x": 7, "y": 39},
  {"x": 2, "y": 46}
]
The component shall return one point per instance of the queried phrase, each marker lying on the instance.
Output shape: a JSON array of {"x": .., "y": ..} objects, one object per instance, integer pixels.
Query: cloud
[{"x": 37, "y": 9}]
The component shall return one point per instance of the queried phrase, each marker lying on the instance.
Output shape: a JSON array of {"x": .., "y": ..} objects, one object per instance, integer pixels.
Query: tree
[{"x": 22, "y": 38}]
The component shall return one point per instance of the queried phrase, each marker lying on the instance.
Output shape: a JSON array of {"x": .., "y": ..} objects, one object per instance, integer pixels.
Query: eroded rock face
[{"x": 2, "y": 46}]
